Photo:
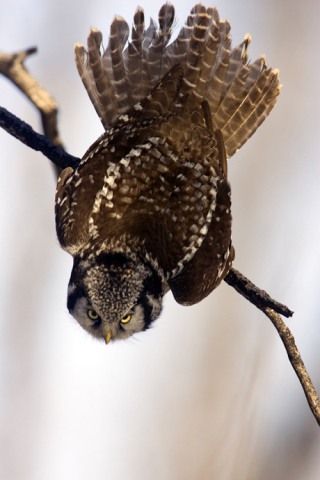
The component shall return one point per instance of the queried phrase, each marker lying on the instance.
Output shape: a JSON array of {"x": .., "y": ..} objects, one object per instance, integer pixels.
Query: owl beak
[{"x": 108, "y": 337}]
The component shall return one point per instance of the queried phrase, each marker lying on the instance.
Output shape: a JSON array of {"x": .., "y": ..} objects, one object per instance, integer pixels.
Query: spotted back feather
[{"x": 240, "y": 94}]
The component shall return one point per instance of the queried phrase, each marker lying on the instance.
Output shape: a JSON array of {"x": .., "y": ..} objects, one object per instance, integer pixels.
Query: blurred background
[{"x": 208, "y": 392}]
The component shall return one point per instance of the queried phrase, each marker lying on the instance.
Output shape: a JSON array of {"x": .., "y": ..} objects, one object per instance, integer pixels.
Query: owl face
[{"x": 113, "y": 296}]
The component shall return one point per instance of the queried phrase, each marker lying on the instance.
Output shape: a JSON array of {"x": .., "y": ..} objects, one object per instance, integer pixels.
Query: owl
[{"x": 148, "y": 208}]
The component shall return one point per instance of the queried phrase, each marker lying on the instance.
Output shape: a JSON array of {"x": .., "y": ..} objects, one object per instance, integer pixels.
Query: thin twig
[
  {"x": 272, "y": 309},
  {"x": 296, "y": 361}
]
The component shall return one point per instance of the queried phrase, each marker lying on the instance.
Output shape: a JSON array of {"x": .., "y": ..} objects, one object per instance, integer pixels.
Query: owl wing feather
[
  {"x": 71, "y": 212},
  {"x": 210, "y": 263},
  {"x": 118, "y": 77}
]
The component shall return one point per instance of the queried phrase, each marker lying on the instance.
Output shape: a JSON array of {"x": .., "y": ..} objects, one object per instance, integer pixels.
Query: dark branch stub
[
  {"x": 23, "y": 132},
  {"x": 255, "y": 295}
]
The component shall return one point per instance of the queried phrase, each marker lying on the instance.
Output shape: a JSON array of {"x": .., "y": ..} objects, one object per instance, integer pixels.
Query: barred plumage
[
  {"x": 240, "y": 94},
  {"x": 148, "y": 207}
]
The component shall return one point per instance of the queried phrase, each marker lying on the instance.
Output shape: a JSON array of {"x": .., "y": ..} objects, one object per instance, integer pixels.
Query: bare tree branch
[
  {"x": 272, "y": 309},
  {"x": 23, "y": 132},
  {"x": 296, "y": 361},
  {"x": 255, "y": 295},
  {"x": 50, "y": 145},
  {"x": 12, "y": 66}
]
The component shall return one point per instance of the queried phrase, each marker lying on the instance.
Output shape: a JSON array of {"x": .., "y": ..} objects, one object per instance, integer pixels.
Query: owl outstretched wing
[{"x": 240, "y": 94}]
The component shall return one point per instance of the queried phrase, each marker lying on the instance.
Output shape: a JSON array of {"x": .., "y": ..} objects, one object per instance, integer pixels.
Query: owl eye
[
  {"x": 126, "y": 319},
  {"x": 92, "y": 314}
]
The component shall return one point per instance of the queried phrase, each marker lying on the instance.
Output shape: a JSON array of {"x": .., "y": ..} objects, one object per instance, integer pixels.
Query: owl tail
[{"x": 240, "y": 94}]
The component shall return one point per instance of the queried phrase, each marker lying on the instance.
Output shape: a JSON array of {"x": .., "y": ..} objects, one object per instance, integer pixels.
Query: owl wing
[
  {"x": 154, "y": 176},
  {"x": 165, "y": 205},
  {"x": 240, "y": 94},
  {"x": 163, "y": 192},
  {"x": 62, "y": 204},
  {"x": 75, "y": 196},
  {"x": 79, "y": 191},
  {"x": 212, "y": 261}
]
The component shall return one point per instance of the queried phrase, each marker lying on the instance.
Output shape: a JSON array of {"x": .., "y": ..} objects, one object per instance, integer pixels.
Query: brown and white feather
[
  {"x": 154, "y": 186},
  {"x": 125, "y": 72}
]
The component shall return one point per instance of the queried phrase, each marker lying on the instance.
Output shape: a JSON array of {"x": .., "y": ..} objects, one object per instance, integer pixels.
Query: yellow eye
[
  {"x": 126, "y": 319},
  {"x": 92, "y": 314}
]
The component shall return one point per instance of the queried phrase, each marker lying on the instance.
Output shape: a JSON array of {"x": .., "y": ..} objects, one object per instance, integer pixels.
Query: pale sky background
[{"x": 207, "y": 393}]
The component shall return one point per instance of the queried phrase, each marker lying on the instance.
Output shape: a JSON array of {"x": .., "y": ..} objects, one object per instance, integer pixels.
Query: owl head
[{"x": 114, "y": 296}]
